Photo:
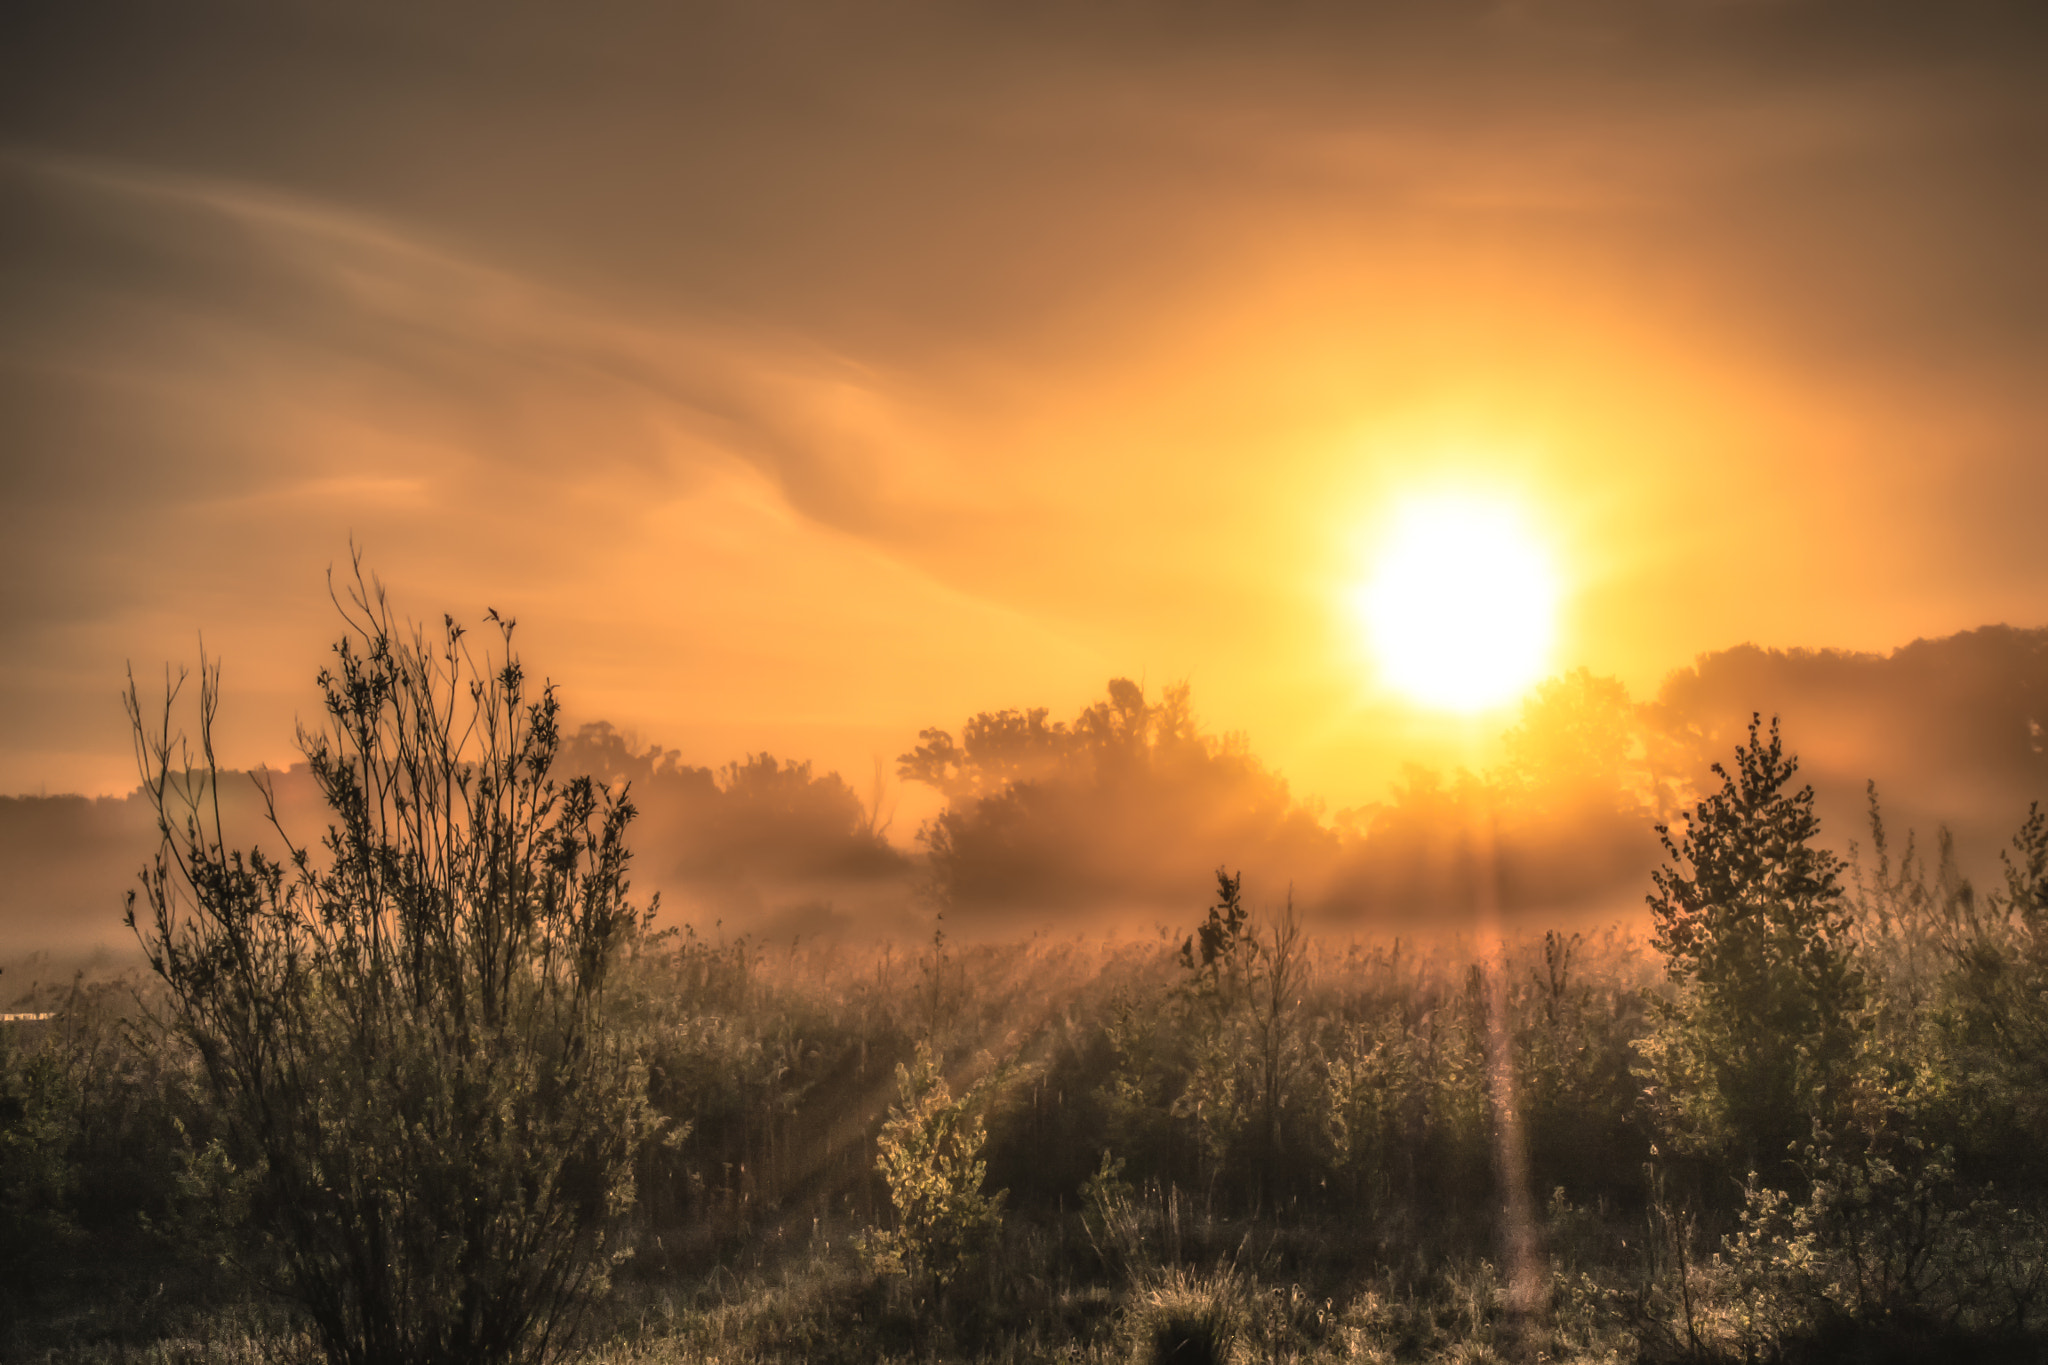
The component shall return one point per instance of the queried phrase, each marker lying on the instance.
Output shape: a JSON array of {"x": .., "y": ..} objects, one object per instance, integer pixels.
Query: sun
[{"x": 1461, "y": 607}]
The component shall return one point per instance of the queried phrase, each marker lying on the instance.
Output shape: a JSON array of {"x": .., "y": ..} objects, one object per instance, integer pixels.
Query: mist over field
[
  {"x": 1040, "y": 1084},
  {"x": 1113, "y": 821},
  {"x": 1033, "y": 703}
]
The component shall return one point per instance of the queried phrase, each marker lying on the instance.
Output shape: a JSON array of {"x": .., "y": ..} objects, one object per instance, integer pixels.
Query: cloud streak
[{"x": 965, "y": 356}]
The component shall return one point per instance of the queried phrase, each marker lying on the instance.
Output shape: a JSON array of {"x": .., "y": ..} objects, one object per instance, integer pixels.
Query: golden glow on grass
[{"x": 1461, "y": 608}]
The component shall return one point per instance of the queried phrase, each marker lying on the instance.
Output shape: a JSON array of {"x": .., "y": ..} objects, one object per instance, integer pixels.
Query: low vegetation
[{"x": 1803, "y": 1121}]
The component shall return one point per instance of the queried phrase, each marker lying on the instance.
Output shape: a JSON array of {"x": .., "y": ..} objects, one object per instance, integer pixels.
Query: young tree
[
  {"x": 423, "y": 1110},
  {"x": 1993, "y": 1008},
  {"x": 1242, "y": 1003},
  {"x": 1755, "y": 930},
  {"x": 929, "y": 1154}
]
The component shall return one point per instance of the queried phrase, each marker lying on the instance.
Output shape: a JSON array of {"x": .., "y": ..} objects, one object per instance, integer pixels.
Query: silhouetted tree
[
  {"x": 1125, "y": 806},
  {"x": 1755, "y": 929},
  {"x": 752, "y": 842},
  {"x": 426, "y": 1118}
]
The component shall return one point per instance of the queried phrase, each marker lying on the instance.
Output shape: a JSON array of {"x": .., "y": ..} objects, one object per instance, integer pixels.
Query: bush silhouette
[
  {"x": 1755, "y": 929},
  {"x": 423, "y": 1115}
]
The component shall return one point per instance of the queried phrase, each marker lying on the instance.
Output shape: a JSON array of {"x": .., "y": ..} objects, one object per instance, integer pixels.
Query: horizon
[
  {"x": 1111, "y": 818},
  {"x": 1452, "y": 756}
]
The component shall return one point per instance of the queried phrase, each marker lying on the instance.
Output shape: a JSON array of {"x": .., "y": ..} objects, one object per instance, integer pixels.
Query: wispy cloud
[{"x": 1073, "y": 332}]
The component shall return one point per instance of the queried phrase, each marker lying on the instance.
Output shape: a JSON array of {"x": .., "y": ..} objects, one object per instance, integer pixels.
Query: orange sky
[{"x": 804, "y": 375}]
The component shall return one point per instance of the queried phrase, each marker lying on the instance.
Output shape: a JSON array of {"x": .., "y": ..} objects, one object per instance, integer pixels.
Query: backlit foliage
[
  {"x": 929, "y": 1156},
  {"x": 1758, "y": 1043},
  {"x": 413, "y": 1087},
  {"x": 1800, "y": 1123}
]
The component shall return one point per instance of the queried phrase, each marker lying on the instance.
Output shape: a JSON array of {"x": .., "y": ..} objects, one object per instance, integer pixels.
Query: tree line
[{"x": 439, "y": 1085}]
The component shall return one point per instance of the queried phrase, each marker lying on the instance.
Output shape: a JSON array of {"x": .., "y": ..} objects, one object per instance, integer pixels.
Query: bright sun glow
[{"x": 1462, "y": 604}]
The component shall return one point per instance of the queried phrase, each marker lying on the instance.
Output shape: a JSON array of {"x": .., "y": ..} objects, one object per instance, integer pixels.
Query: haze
[{"x": 803, "y": 377}]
